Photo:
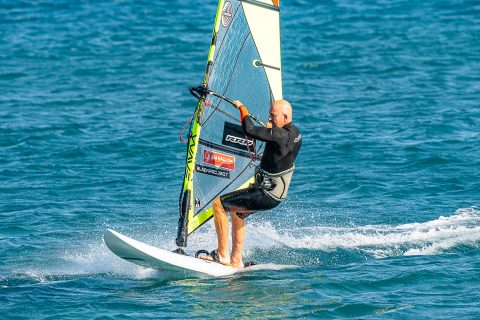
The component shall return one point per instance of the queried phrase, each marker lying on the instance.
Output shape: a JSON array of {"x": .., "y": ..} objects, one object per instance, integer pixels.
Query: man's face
[{"x": 277, "y": 118}]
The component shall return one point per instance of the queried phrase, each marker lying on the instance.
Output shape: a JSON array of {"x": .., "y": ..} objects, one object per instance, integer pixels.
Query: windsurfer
[{"x": 272, "y": 179}]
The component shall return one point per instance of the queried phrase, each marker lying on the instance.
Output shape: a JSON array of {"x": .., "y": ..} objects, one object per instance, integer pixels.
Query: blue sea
[{"x": 383, "y": 215}]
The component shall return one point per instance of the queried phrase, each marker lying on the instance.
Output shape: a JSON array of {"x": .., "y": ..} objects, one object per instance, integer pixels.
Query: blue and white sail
[{"x": 244, "y": 64}]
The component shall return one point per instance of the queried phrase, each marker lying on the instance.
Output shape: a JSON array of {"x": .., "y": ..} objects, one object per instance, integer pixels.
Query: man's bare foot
[
  {"x": 239, "y": 265},
  {"x": 233, "y": 265},
  {"x": 209, "y": 258},
  {"x": 215, "y": 257},
  {"x": 236, "y": 259}
]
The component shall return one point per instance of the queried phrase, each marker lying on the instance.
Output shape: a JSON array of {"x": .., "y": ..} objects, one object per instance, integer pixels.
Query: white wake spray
[{"x": 432, "y": 237}]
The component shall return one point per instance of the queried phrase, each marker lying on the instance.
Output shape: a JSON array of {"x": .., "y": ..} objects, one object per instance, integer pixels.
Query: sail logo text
[
  {"x": 213, "y": 172},
  {"x": 240, "y": 141},
  {"x": 219, "y": 160},
  {"x": 233, "y": 136}
]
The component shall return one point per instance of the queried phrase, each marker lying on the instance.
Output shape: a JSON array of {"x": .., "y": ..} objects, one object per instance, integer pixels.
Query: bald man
[{"x": 272, "y": 179}]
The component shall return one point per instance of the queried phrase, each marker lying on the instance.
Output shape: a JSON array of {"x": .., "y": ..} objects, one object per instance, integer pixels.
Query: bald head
[{"x": 280, "y": 113}]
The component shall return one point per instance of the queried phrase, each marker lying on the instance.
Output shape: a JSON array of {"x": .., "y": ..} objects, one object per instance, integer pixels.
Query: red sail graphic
[{"x": 219, "y": 160}]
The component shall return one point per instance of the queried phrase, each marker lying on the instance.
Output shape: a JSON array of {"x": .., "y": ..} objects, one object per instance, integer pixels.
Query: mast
[{"x": 186, "y": 195}]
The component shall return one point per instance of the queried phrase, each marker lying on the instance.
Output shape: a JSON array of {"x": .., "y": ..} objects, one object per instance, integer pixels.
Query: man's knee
[{"x": 236, "y": 218}]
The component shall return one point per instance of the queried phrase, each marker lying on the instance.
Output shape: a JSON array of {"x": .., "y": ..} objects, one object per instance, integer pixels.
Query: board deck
[{"x": 151, "y": 257}]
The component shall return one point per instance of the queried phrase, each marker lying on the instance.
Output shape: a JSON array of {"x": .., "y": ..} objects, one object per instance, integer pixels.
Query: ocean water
[{"x": 383, "y": 217}]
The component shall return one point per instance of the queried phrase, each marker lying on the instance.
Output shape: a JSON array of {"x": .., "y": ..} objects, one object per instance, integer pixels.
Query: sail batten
[{"x": 244, "y": 63}]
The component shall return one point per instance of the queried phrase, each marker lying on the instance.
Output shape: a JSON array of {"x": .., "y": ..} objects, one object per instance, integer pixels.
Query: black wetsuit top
[{"x": 282, "y": 144}]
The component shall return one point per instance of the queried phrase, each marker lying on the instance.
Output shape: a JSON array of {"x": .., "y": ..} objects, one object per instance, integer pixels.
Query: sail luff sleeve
[
  {"x": 186, "y": 201},
  {"x": 186, "y": 204}
]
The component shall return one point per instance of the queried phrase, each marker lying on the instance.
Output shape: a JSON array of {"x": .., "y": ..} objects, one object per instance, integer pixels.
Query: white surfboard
[{"x": 151, "y": 257}]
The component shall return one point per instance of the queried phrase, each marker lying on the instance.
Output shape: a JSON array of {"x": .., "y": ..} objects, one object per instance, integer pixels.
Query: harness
[{"x": 274, "y": 185}]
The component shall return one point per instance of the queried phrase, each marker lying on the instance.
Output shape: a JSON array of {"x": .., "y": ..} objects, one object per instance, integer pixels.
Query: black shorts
[{"x": 245, "y": 202}]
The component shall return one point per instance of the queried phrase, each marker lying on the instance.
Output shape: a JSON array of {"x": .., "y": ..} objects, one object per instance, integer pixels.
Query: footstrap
[
  {"x": 214, "y": 255},
  {"x": 201, "y": 252}
]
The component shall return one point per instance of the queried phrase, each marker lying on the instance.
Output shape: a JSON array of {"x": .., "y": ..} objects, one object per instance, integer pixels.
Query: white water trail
[{"x": 432, "y": 237}]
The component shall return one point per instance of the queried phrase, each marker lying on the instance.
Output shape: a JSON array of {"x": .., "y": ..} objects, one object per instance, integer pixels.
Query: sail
[{"x": 244, "y": 63}]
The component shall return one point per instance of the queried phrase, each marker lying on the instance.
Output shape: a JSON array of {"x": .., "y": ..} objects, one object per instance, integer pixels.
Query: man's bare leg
[
  {"x": 238, "y": 235},
  {"x": 221, "y": 227}
]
